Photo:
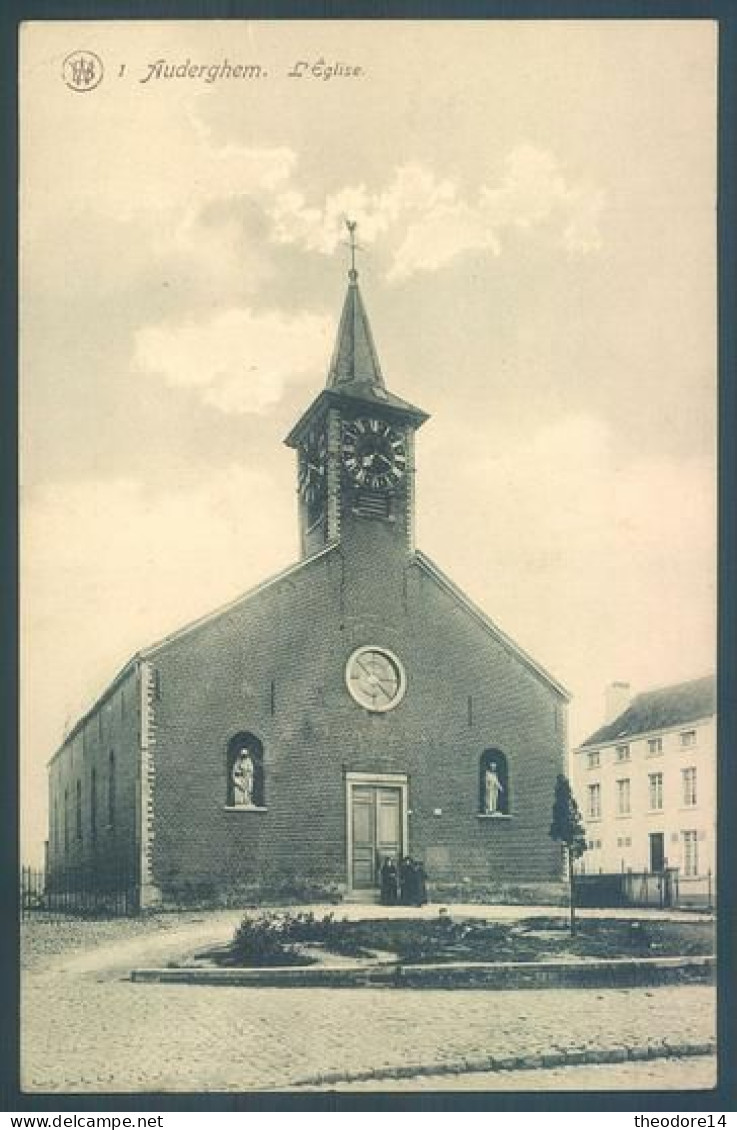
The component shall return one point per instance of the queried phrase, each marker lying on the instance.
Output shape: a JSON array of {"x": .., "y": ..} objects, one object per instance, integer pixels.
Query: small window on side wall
[
  {"x": 493, "y": 783},
  {"x": 245, "y": 772}
]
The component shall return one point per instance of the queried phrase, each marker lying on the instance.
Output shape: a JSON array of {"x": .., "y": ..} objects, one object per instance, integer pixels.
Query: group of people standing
[{"x": 403, "y": 882}]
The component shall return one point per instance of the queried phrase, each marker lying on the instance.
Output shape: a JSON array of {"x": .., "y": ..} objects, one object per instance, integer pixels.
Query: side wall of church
[
  {"x": 274, "y": 667},
  {"x": 93, "y": 791}
]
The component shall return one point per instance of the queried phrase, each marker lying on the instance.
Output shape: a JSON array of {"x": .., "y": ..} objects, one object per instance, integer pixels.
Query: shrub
[
  {"x": 338, "y": 936},
  {"x": 263, "y": 941},
  {"x": 274, "y": 939}
]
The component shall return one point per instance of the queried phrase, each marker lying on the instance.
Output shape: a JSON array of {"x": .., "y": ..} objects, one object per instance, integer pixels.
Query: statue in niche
[
  {"x": 242, "y": 778},
  {"x": 494, "y": 789}
]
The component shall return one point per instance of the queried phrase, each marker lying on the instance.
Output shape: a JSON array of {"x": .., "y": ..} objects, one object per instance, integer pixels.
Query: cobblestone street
[
  {"x": 85, "y": 1028},
  {"x": 658, "y": 1075}
]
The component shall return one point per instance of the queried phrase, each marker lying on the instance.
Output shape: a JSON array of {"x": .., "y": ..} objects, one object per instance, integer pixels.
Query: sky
[{"x": 536, "y": 212}]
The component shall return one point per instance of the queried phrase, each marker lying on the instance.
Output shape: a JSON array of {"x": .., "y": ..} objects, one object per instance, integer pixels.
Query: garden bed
[{"x": 302, "y": 939}]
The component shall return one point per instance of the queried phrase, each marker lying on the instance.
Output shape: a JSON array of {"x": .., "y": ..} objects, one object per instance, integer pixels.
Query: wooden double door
[{"x": 376, "y": 831}]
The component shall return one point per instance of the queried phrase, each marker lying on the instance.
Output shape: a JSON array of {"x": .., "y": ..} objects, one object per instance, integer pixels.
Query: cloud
[
  {"x": 238, "y": 360},
  {"x": 427, "y": 221}
]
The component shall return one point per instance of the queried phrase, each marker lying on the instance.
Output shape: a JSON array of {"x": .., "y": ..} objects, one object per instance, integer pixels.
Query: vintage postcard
[{"x": 368, "y": 528}]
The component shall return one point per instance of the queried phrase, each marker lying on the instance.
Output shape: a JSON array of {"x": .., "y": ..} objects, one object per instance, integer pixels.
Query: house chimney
[{"x": 617, "y": 698}]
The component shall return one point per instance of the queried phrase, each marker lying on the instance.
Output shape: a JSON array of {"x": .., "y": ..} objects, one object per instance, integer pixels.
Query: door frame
[
  {"x": 651, "y": 838},
  {"x": 386, "y": 780}
]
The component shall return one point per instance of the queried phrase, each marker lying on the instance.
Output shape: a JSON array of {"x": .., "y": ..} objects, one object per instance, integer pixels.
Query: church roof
[
  {"x": 275, "y": 579},
  {"x": 355, "y": 373},
  {"x": 354, "y": 360},
  {"x": 660, "y": 709},
  {"x": 506, "y": 641},
  {"x": 424, "y": 562},
  {"x": 146, "y": 652}
]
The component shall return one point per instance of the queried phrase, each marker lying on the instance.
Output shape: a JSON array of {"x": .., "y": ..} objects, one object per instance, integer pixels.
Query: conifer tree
[{"x": 567, "y": 827}]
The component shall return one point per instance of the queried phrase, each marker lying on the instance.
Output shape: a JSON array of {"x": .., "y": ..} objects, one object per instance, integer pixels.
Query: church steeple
[
  {"x": 355, "y": 445},
  {"x": 355, "y": 362}
]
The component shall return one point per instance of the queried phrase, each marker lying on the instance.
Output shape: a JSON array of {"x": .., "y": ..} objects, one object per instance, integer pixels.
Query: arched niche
[
  {"x": 494, "y": 798},
  {"x": 245, "y": 778}
]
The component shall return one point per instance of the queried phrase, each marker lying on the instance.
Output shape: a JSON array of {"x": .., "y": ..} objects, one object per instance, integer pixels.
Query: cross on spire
[{"x": 352, "y": 225}]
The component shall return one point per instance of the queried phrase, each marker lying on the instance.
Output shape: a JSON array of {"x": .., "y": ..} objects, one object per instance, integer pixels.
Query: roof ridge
[
  {"x": 145, "y": 653},
  {"x": 435, "y": 571},
  {"x": 659, "y": 708},
  {"x": 295, "y": 567}
]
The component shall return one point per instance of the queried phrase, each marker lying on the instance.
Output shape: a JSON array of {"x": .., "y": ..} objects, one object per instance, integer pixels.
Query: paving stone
[
  {"x": 85, "y": 1028},
  {"x": 693, "y": 1073}
]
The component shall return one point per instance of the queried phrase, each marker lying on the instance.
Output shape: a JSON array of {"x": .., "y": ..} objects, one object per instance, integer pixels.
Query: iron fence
[
  {"x": 78, "y": 892},
  {"x": 663, "y": 889}
]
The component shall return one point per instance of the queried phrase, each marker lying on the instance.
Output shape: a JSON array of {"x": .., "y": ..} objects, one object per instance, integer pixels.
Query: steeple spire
[
  {"x": 355, "y": 363},
  {"x": 352, "y": 225}
]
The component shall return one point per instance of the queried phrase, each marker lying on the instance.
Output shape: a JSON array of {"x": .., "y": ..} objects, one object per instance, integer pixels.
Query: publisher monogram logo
[{"x": 82, "y": 71}]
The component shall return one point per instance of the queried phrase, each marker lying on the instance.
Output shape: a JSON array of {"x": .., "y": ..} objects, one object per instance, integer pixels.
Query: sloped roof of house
[{"x": 660, "y": 709}]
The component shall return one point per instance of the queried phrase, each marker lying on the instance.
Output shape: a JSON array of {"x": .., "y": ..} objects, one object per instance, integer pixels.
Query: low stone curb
[
  {"x": 571, "y": 1057},
  {"x": 617, "y": 972}
]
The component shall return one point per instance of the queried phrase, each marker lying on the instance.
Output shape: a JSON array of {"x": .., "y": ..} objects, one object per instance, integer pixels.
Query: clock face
[
  {"x": 374, "y": 453},
  {"x": 312, "y": 463},
  {"x": 375, "y": 678}
]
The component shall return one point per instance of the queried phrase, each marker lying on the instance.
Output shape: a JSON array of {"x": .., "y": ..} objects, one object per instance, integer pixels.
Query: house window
[
  {"x": 655, "y": 781},
  {"x": 690, "y": 854},
  {"x": 593, "y": 760},
  {"x": 654, "y": 745},
  {"x": 66, "y": 819},
  {"x": 493, "y": 783},
  {"x": 111, "y": 790},
  {"x": 594, "y": 805},
  {"x": 688, "y": 776},
  {"x": 622, "y": 753},
  {"x": 623, "y": 797},
  {"x": 245, "y": 785},
  {"x": 688, "y": 739}
]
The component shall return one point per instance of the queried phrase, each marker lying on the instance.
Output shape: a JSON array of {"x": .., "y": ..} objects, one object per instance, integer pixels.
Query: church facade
[{"x": 355, "y": 707}]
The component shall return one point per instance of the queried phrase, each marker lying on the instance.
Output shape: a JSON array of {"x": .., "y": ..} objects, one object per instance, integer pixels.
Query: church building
[{"x": 355, "y": 707}]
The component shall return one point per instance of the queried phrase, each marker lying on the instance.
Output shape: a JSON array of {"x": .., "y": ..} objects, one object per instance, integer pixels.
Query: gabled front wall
[{"x": 274, "y": 666}]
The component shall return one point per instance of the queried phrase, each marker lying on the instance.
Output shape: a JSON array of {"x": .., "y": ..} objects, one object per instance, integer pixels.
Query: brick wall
[
  {"x": 111, "y": 848},
  {"x": 274, "y": 666}
]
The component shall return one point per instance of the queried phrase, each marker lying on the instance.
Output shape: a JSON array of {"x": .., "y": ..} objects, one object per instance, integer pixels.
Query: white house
[{"x": 646, "y": 782}]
